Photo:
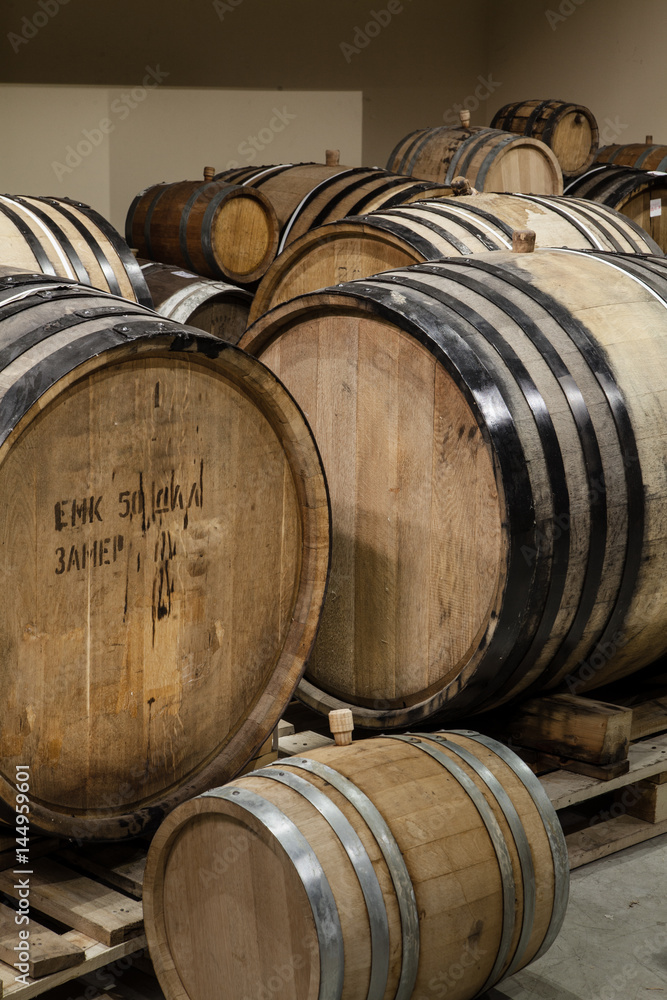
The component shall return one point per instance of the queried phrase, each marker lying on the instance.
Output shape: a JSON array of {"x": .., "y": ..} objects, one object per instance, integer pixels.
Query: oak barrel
[
  {"x": 67, "y": 239},
  {"x": 305, "y": 195},
  {"x": 163, "y": 559},
  {"x": 389, "y": 868},
  {"x": 362, "y": 245},
  {"x": 644, "y": 155},
  {"x": 638, "y": 194},
  {"x": 216, "y": 229},
  {"x": 214, "y": 306},
  {"x": 570, "y": 130},
  {"x": 490, "y": 159},
  {"x": 492, "y": 429}
]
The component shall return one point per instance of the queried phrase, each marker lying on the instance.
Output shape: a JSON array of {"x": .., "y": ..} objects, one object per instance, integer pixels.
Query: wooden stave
[
  {"x": 64, "y": 231},
  {"x": 540, "y": 118},
  {"x": 27, "y": 396},
  {"x": 183, "y": 231},
  {"x": 440, "y": 154},
  {"x": 305, "y": 195},
  {"x": 577, "y": 224},
  {"x": 382, "y": 713},
  {"x": 625, "y": 189},
  {"x": 457, "y": 766},
  {"x": 216, "y": 307},
  {"x": 644, "y": 156}
]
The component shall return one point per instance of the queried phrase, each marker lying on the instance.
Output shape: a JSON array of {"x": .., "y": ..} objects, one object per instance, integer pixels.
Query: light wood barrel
[
  {"x": 389, "y": 868},
  {"x": 491, "y": 427},
  {"x": 306, "y": 195},
  {"x": 164, "y": 555},
  {"x": 490, "y": 159},
  {"x": 570, "y": 130},
  {"x": 359, "y": 246},
  {"x": 214, "y": 306},
  {"x": 638, "y": 194},
  {"x": 216, "y": 229},
  {"x": 67, "y": 239},
  {"x": 643, "y": 155}
]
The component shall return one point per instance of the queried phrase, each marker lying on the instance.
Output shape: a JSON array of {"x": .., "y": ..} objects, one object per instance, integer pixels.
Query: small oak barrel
[
  {"x": 67, "y": 239},
  {"x": 570, "y": 130},
  {"x": 163, "y": 557},
  {"x": 644, "y": 155},
  {"x": 389, "y": 868},
  {"x": 492, "y": 428},
  {"x": 214, "y": 306},
  {"x": 359, "y": 246},
  {"x": 638, "y": 194},
  {"x": 216, "y": 229},
  {"x": 490, "y": 159},
  {"x": 306, "y": 195}
]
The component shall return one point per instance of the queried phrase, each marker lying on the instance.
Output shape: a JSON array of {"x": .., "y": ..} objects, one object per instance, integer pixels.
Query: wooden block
[
  {"x": 48, "y": 952},
  {"x": 293, "y": 746},
  {"x": 658, "y": 779},
  {"x": 645, "y": 800},
  {"x": 609, "y": 837},
  {"x": 120, "y": 866},
  {"x": 79, "y": 902},
  {"x": 571, "y": 726},
  {"x": 648, "y": 718},
  {"x": 282, "y": 729}
]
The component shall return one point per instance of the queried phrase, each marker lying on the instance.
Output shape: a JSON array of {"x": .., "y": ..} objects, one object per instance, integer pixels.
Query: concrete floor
[{"x": 613, "y": 944}]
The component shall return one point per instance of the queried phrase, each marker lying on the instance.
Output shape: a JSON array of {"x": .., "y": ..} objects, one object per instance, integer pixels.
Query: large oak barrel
[
  {"x": 67, "y": 239},
  {"x": 492, "y": 428},
  {"x": 359, "y": 246},
  {"x": 570, "y": 130},
  {"x": 216, "y": 229},
  {"x": 163, "y": 557},
  {"x": 306, "y": 195},
  {"x": 214, "y": 306},
  {"x": 490, "y": 159},
  {"x": 643, "y": 155},
  {"x": 404, "y": 866},
  {"x": 638, "y": 194}
]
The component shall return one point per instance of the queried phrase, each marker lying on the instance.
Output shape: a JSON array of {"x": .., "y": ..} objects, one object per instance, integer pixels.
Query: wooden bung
[
  {"x": 649, "y": 140},
  {"x": 523, "y": 241},
  {"x": 541, "y": 580},
  {"x": 341, "y": 725},
  {"x": 366, "y": 868},
  {"x": 163, "y": 560},
  {"x": 209, "y": 173},
  {"x": 464, "y": 115},
  {"x": 332, "y": 157},
  {"x": 461, "y": 186}
]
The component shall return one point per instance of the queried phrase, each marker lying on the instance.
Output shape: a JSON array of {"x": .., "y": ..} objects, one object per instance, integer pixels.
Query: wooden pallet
[{"x": 77, "y": 924}]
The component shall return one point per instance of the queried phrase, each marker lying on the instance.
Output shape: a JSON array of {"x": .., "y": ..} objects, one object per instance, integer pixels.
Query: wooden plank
[
  {"x": 120, "y": 866},
  {"x": 48, "y": 951},
  {"x": 540, "y": 762},
  {"x": 648, "y": 718},
  {"x": 96, "y": 956},
  {"x": 648, "y": 802},
  {"x": 76, "y": 900},
  {"x": 609, "y": 837},
  {"x": 291, "y": 746},
  {"x": 571, "y": 726},
  {"x": 646, "y": 758}
]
